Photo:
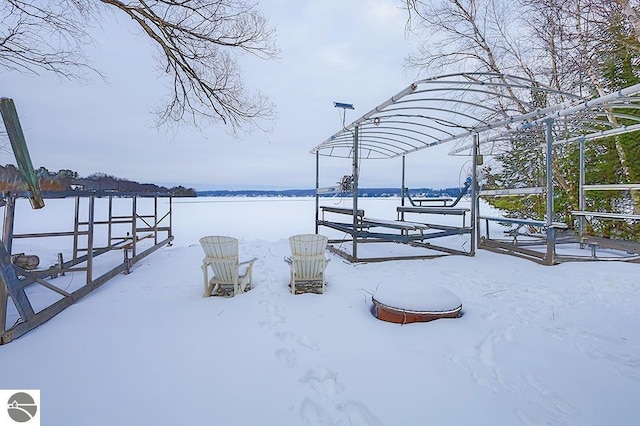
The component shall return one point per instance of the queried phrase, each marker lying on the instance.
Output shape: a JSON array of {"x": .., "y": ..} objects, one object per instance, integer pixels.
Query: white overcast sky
[{"x": 331, "y": 50}]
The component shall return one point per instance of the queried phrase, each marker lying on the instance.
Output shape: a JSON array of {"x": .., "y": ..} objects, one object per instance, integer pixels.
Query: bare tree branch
[
  {"x": 35, "y": 38},
  {"x": 199, "y": 40}
]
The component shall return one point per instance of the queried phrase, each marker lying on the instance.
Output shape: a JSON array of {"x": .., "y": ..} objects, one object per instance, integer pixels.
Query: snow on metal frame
[{"x": 443, "y": 109}]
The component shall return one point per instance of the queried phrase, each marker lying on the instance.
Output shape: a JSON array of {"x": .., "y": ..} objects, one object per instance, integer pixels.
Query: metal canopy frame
[
  {"x": 442, "y": 109},
  {"x": 459, "y": 109},
  {"x": 606, "y": 116}
]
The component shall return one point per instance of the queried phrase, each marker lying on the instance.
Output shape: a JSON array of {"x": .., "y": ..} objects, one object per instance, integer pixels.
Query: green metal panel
[{"x": 19, "y": 145}]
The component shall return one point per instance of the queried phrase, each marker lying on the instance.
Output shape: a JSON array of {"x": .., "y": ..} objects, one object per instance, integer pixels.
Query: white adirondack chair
[
  {"x": 230, "y": 277},
  {"x": 307, "y": 263}
]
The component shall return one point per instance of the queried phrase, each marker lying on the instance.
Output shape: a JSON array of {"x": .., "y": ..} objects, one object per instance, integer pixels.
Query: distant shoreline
[{"x": 363, "y": 192}]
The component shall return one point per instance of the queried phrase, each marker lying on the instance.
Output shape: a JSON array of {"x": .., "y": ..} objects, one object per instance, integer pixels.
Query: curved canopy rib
[{"x": 443, "y": 109}]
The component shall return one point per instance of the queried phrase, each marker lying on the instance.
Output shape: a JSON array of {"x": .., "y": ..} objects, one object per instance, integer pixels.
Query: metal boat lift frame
[
  {"x": 457, "y": 109},
  {"x": 14, "y": 280},
  {"x": 17, "y": 276}
]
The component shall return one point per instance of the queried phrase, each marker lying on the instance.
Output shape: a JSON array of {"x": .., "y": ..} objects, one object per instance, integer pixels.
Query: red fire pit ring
[{"x": 414, "y": 302}]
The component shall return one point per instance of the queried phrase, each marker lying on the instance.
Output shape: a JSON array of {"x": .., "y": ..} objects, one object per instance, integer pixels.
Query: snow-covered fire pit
[{"x": 407, "y": 302}]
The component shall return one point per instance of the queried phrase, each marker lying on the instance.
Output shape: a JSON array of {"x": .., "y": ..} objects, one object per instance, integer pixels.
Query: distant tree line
[
  {"x": 67, "y": 180},
  {"x": 362, "y": 192}
]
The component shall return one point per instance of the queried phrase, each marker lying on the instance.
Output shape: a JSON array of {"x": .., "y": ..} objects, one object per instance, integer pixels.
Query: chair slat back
[
  {"x": 223, "y": 255},
  {"x": 225, "y": 270},
  {"x": 308, "y": 244},
  {"x": 308, "y": 267},
  {"x": 308, "y": 254}
]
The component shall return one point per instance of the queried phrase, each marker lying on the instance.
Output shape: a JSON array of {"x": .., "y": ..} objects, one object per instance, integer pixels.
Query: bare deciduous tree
[
  {"x": 199, "y": 43},
  {"x": 572, "y": 45},
  {"x": 472, "y": 35},
  {"x": 455, "y": 32}
]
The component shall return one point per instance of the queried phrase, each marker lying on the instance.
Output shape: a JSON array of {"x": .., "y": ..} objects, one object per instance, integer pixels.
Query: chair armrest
[
  {"x": 244, "y": 267},
  {"x": 248, "y": 262}
]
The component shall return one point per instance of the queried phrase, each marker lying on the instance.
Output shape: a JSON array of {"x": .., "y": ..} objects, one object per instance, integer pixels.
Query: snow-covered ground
[{"x": 536, "y": 345}]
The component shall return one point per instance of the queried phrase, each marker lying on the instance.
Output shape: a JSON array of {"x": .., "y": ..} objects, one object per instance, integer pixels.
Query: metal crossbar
[{"x": 607, "y": 215}]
